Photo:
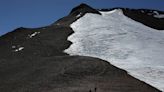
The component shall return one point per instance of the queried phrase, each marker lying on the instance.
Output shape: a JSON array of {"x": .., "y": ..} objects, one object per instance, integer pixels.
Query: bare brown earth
[{"x": 43, "y": 67}]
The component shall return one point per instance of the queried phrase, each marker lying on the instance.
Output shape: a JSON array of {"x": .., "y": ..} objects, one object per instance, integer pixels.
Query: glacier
[{"x": 123, "y": 42}]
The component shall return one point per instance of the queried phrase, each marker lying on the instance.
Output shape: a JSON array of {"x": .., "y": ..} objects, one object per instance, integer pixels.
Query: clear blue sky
[{"x": 37, "y": 13}]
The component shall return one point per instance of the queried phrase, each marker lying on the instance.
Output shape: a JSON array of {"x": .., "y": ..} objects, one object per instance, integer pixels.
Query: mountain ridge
[
  {"x": 33, "y": 60},
  {"x": 84, "y": 7}
]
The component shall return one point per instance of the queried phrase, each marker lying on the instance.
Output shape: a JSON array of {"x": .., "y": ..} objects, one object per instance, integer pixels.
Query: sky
[{"x": 38, "y": 13}]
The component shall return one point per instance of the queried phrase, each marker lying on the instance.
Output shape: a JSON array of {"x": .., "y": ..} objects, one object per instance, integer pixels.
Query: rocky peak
[{"x": 82, "y": 9}]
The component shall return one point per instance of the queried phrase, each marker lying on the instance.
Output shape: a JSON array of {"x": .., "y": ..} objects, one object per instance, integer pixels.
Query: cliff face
[{"x": 33, "y": 60}]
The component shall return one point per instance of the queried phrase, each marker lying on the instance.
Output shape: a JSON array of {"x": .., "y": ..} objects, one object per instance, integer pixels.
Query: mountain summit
[
  {"x": 76, "y": 13},
  {"x": 83, "y": 8},
  {"x": 89, "y": 50}
]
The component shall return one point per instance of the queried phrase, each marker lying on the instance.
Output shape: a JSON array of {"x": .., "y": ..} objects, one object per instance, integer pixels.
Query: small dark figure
[
  {"x": 90, "y": 91},
  {"x": 95, "y": 89}
]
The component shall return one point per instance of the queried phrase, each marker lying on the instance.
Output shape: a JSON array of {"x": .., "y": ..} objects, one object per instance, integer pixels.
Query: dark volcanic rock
[
  {"x": 51, "y": 41},
  {"x": 42, "y": 66},
  {"x": 144, "y": 16},
  {"x": 75, "y": 14},
  {"x": 66, "y": 74},
  {"x": 83, "y": 9}
]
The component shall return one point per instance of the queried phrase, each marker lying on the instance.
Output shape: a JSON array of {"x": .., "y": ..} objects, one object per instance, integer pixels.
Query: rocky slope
[{"x": 33, "y": 60}]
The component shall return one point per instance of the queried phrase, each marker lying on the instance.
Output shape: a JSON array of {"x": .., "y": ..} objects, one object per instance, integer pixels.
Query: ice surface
[
  {"x": 123, "y": 42},
  {"x": 33, "y": 34},
  {"x": 159, "y": 16},
  {"x": 156, "y": 12},
  {"x": 19, "y": 49},
  {"x": 79, "y": 15}
]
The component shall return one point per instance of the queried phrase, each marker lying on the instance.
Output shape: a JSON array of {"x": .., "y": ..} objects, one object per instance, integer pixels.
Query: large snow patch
[{"x": 123, "y": 42}]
